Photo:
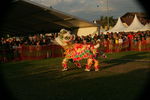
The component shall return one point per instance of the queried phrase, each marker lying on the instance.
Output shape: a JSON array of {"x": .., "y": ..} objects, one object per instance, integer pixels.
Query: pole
[{"x": 107, "y": 15}]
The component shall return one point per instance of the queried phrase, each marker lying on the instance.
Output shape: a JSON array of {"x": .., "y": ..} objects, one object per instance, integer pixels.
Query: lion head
[{"x": 64, "y": 37}]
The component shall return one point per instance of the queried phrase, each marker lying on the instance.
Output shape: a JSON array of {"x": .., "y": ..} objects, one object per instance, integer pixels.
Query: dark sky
[{"x": 93, "y": 9}]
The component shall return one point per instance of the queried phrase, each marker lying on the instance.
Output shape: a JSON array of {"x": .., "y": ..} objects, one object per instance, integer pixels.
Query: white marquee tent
[
  {"x": 145, "y": 28},
  {"x": 135, "y": 25},
  {"x": 86, "y": 31},
  {"x": 119, "y": 27}
]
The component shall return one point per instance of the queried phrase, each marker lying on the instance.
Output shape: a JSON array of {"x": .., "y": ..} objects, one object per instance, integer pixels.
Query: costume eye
[{"x": 67, "y": 38}]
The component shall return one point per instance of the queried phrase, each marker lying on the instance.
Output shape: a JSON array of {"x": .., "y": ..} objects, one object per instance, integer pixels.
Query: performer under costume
[{"x": 77, "y": 51}]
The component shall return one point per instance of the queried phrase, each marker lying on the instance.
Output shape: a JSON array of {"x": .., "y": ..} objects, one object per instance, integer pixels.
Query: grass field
[{"x": 123, "y": 76}]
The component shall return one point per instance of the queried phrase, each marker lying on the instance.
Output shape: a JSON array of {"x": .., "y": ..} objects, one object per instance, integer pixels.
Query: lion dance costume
[{"x": 77, "y": 51}]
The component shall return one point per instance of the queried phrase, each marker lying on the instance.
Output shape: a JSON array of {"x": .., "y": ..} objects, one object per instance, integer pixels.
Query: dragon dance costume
[{"x": 77, "y": 51}]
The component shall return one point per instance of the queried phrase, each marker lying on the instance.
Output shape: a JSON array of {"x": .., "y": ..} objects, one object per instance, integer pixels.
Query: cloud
[
  {"x": 82, "y": 1},
  {"x": 88, "y": 9},
  {"x": 76, "y": 10},
  {"x": 48, "y": 2},
  {"x": 67, "y": 1},
  {"x": 51, "y": 2}
]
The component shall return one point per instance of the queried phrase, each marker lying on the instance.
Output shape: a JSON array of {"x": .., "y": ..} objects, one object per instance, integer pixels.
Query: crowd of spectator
[
  {"x": 9, "y": 45},
  {"x": 110, "y": 42},
  {"x": 36, "y": 39},
  {"x": 119, "y": 41}
]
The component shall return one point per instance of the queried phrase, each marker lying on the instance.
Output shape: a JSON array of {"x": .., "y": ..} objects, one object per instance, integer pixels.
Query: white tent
[
  {"x": 125, "y": 24},
  {"x": 145, "y": 28},
  {"x": 119, "y": 27},
  {"x": 135, "y": 25},
  {"x": 86, "y": 31}
]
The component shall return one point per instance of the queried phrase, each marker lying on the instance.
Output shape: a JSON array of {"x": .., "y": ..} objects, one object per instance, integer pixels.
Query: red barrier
[
  {"x": 36, "y": 52},
  {"x": 32, "y": 52}
]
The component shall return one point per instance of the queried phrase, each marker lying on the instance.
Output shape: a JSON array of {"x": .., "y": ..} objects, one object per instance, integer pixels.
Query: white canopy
[
  {"x": 119, "y": 27},
  {"x": 86, "y": 31},
  {"x": 135, "y": 25},
  {"x": 145, "y": 28}
]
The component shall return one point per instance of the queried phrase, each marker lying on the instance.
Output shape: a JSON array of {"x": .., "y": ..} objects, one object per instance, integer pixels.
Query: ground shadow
[
  {"x": 52, "y": 84},
  {"x": 128, "y": 86},
  {"x": 124, "y": 59}
]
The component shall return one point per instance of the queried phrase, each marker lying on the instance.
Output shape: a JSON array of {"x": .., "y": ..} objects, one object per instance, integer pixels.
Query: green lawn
[{"x": 123, "y": 76}]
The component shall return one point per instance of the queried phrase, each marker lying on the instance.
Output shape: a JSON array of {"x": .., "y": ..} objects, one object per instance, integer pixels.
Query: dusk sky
[{"x": 93, "y": 9}]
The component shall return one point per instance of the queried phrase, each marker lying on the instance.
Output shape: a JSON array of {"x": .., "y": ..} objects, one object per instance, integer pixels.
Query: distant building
[{"x": 128, "y": 17}]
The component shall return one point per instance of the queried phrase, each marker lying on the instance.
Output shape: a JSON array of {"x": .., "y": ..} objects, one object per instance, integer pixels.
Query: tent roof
[
  {"x": 27, "y": 16},
  {"x": 145, "y": 28},
  {"x": 135, "y": 25},
  {"x": 118, "y": 27}
]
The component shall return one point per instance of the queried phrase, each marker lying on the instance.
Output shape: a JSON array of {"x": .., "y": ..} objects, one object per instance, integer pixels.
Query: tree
[{"x": 103, "y": 21}]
